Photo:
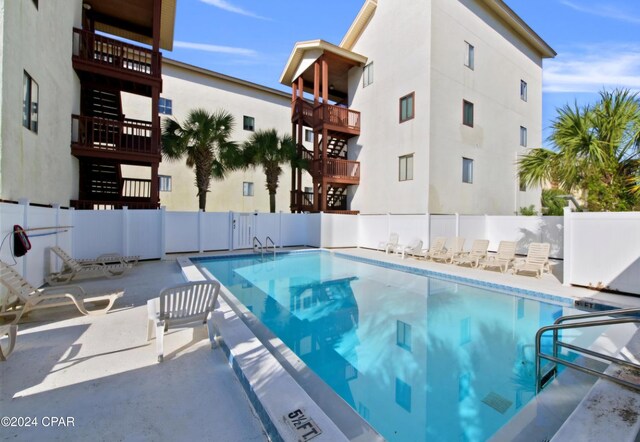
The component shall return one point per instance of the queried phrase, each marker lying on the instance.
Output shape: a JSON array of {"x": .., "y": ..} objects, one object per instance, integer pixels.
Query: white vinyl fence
[{"x": 600, "y": 249}]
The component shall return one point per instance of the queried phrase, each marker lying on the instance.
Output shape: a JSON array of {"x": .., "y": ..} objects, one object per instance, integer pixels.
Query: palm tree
[
  {"x": 596, "y": 151},
  {"x": 267, "y": 149},
  {"x": 204, "y": 138}
]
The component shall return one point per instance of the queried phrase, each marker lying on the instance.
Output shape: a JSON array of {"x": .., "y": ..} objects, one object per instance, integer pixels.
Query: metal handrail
[
  {"x": 256, "y": 240},
  {"x": 266, "y": 242},
  {"x": 584, "y": 324}
]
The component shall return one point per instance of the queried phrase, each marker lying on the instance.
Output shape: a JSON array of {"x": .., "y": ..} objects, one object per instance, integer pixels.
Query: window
[
  {"x": 523, "y": 90},
  {"x": 403, "y": 335},
  {"x": 165, "y": 183},
  {"x": 367, "y": 75},
  {"x": 523, "y": 136},
  {"x": 467, "y": 170},
  {"x": 522, "y": 184},
  {"x": 407, "y": 107},
  {"x": 29, "y": 103},
  {"x": 405, "y": 170},
  {"x": 469, "y": 56},
  {"x": 165, "y": 106},
  {"x": 249, "y": 123},
  {"x": 467, "y": 113},
  {"x": 308, "y": 135},
  {"x": 247, "y": 189}
]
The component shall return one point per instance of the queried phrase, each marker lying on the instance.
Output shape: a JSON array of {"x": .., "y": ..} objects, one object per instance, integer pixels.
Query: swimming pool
[{"x": 420, "y": 358}]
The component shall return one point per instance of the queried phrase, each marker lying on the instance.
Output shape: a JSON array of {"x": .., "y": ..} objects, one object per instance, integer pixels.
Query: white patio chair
[
  {"x": 537, "y": 260},
  {"x": 503, "y": 258},
  {"x": 186, "y": 305},
  {"x": 478, "y": 251},
  {"x": 390, "y": 245},
  {"x": 11, "y": 331}
]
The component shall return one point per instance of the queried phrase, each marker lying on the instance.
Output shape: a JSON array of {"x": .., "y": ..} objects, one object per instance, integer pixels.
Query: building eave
[
  {"x": 515, "y": 22},
  {"x": 301, "y": 47},
  {"x": 359, "y": 24}
]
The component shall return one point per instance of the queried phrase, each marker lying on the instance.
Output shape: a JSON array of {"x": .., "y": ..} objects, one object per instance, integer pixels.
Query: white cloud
[
  {"x": 604, "y": 11},
  {"x": 592, "y": 68},
  {"x": 215, "y": 48},
  {"x": 225, "y": 5}
]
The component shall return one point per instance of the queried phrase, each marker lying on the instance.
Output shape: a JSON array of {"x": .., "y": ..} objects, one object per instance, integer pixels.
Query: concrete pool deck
[{"x": 102, "y": 372}]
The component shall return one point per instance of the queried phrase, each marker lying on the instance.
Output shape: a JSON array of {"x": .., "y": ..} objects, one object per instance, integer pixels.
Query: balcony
[
  {"x": 112, "y": 205},
  {"x": 337, "y": 171},
  {"x": 113, "y": 139},
  {"x": 341, "y": 119},
  {"x": 96, "y": 54},
  {"x": 301, "y": 201},
  {"x": 302, "y": 112}
]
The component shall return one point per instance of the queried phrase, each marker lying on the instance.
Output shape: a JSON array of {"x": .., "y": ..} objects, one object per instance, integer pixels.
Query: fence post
[
  {"x": 428, "y": 215},
  {"x": 457, "y": 224},
  {"x": 125, "y": 230},
  {"x": 72, "y": 222},
  {"x": 231, "y": 229},
  {"x": 568, "y": 246},
  {"x": 56, "y": 207},
  {"x": 280, "y": 229},
  {"x": 200, "y": 232},
  {"x": 163, "y": 233},
  {"x": 25, "y": 225}
]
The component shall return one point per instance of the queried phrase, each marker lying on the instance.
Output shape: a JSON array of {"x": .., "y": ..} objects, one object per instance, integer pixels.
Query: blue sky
[{"x": 598, "y": 41}]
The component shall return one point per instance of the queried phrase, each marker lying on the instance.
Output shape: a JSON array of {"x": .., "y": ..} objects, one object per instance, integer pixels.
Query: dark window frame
[
  {"x": 30, "y": 107},
  {"x": 470, "y": 56},
  {"x": 524, "y": 91},
  {"x": 165, "y": 106},
  {"x": 248, "y": 185},
  {"x": 412, "y": 95},
  {"x": 524, "y": 137},
  {"x": 465, "y": 105},
  {"x": 466, "y": 161},
  {"x": 367, "y": 75},
  {"x": 249, "y": 127},
  {"x": 167, "y": 180}
]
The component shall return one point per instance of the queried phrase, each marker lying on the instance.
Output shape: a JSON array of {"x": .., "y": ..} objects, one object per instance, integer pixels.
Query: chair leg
[
  {"x": 11, "y": 333},
  {"x": 160, "y": 340}
]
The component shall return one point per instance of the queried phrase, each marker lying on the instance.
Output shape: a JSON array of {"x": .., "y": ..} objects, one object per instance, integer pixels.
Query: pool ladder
[
  {"x": 585, "y": 321},
  {"x": 257, "y": 246}
]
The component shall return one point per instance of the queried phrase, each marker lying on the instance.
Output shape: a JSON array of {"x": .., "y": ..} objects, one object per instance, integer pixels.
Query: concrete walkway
[{"x": 101, "y": 372}]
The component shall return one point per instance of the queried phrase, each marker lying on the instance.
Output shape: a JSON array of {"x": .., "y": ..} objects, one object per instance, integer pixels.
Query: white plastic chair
[{"x": 186, "y": 305}]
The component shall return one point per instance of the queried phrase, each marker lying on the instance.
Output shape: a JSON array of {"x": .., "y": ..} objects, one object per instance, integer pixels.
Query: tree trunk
[
  {"x": 202, "y": 199},
  {"x": 272, "y": 202}
]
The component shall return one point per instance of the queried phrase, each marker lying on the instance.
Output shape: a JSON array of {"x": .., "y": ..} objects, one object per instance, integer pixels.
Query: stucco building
[{"x": 431, "y": 104}]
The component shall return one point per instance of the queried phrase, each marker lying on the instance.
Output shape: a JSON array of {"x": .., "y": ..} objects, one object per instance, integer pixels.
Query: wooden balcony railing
[
  {"x": 136, "y": 188},
  {"x": 131, "y": 136},
  {"x": 338, "y": 116},
  {"x": 301, "y": 201},
  {"x": 302, "y": 108},
  {"x": 343, "y": 171},
  {"x": 100, "y": 50},
  {"x": 112, "y": 205}
]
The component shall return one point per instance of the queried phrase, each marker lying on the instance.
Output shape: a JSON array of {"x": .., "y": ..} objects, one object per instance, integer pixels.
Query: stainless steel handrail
[
  {"x": 256, "y": 240},
  {"x": 266, "y": 242},
  {"x": 584, "y": 324}
]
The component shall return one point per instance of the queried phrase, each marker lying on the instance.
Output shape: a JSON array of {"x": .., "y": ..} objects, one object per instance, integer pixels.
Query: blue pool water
[{"x": 418, "y": 357}]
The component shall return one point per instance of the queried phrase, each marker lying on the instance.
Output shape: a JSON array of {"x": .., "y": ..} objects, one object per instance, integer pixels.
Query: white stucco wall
[
  {"x": 502, "y": 60},
  {"x": 39, "y": 166},
  {"x": 420, "y": 47},
  {"x": 397, "y": 42},
  {"x": 189, "y": 89}
]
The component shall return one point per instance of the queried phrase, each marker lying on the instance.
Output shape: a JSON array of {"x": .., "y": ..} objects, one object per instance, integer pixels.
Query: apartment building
[
  {"x": 84, "y": 90},
  {"x": 254, "y": 107},
  {"x": 423, "y": 107}
]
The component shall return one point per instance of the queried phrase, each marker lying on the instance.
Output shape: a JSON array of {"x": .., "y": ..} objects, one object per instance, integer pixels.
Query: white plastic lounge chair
[
  {"x": 502, "y": 258},
  {"x": 413, "y": 248},
  {"x": 389, "y": 246},
  {"x": 478, "y": 251},
  {"x": 107, "y": 258},
  {"x": 451, "y": 252},
  {"x": 10, "y": 330},
  {"x": 537, "y": 260},
  {"x": 186, "y": 305},
  {"x": 73, "y": 269},
  {"x": 435, "y": 248},
  {"x": 31, "y": 298}
]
